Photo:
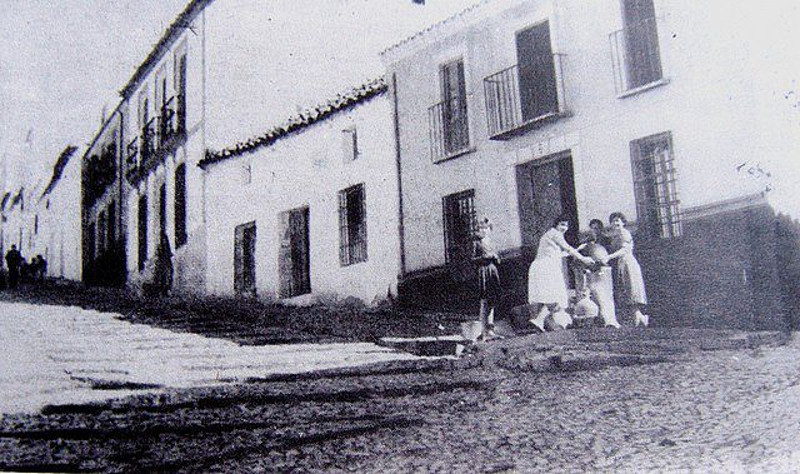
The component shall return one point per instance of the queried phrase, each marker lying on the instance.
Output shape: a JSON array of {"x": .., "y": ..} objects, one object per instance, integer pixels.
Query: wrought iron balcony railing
[
  {"x": 132, "y": 155},
  {"x": 519, "y": 99},
  {"x": 636, "y": 56},
  {"x": 449, "y": 128},
  {"x": 157, "y": 138}
]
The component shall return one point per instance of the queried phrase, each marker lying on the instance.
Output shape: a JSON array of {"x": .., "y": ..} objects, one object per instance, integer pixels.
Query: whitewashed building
[
  {"x": 520, "y": 110},
  {"x": 58, "y": 218},
  {"x": 308, "y": 208}
]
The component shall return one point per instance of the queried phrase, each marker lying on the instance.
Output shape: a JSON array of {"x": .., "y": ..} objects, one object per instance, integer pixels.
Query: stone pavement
[{"x": 68, "y": 355}]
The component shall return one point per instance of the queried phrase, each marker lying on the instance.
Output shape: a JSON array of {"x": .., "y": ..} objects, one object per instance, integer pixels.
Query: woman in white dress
[
  {"x": 547, "y": 287},
  {"x": 628, "y": 281}
]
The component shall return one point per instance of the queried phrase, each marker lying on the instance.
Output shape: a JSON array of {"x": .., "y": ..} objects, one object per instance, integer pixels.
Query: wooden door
[
  {"x": 293, "y": 258},
  {"x": 245, "y": 259},
  {"x": 546, "y": 190}
]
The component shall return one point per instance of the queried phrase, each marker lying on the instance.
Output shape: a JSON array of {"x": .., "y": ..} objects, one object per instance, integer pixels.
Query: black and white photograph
[{"x": 491, "y": 236}]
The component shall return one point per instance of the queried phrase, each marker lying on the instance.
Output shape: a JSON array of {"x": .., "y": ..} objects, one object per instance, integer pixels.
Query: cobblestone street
[
  {"x": 59, "y": 355},
  {"x": 702, "y": 410}
]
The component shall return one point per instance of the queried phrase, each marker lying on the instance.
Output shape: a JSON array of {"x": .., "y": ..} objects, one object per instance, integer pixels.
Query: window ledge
[
  {"x": 638, "y": 90},
  {"x": 456, "y": 154}
]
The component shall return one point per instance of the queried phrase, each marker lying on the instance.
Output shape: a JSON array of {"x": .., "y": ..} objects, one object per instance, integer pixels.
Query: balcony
[
  {"x": 132, "y": 157},
  {"x": 449, "y": 129},
  {"x": 636, "y": 58},
  {"x": 158, "y": 138},
  {"x": 517, "y": 102}
]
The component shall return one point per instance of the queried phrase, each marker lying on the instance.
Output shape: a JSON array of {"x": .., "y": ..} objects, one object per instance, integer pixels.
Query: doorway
[
  {"x": 546, "y": 189},
  {"x": 245, "y": 259},
  {"x": 293, "y": 259}
]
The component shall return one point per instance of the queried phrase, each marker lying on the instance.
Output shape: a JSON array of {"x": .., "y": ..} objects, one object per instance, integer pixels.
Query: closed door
[
  {"x": 245, "y": 259},
  {"x": 537, "y": 76},
  {"x": 293, "y": 260},
  {"x": 546, "y": 190}
]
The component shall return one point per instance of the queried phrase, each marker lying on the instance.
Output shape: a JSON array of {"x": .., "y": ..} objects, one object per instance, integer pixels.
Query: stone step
[{"x": 623, "y": 340}]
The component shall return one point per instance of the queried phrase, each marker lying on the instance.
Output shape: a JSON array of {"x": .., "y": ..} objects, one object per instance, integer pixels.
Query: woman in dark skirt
[{"x": 487, "y": 259}]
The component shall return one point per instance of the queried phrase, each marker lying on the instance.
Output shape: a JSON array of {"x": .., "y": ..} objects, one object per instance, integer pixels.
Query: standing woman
[
  {"x": 547, "y": 286},
  {"x": 629, "y": 284}
]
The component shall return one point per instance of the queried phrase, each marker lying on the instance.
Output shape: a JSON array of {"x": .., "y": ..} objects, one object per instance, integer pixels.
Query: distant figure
[
  {"x": 487, "y": 259},
  {"x": 13, "y": 261},
  {"x": 40, "y": 268},
  {"x": 163, "y": 266}
]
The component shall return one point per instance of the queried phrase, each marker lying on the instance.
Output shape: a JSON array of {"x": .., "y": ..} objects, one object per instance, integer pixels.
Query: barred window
[
  {"x": 352, "y": 225},
  {"x": 459, "y": 224},
  {"x": 654, "y": 176}
]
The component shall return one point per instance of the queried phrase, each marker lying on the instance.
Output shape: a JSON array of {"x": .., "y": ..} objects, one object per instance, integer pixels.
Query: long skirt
[
  {"x": 628, "y": 282},
  {"x": 546, "y": 282}
]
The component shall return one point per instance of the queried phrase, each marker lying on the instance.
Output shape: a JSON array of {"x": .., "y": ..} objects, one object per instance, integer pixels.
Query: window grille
[
  {"x": 352, "y": 225},
  {"x": 459, "y": 225},
  {"x": 657, "y": 204}
]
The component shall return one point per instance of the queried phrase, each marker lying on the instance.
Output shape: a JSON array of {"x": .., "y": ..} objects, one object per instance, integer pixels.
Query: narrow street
[
  {"x": 62, "y": 355},
  {"x": 729, "y": 410}
]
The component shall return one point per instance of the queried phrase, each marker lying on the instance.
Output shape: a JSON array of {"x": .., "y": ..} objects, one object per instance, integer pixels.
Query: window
[
  {"x": 455, "y": 128},
  {"x": 657, "y": 204},
  {"x": 635, "y": 48},
  {"x": 161, "y": 104},
  {"x": 352, "y": 226},
  {"x": 180, "y": 205},
  {"x": 350, "y": 144},
  {"x": 180, "y": 91},
  {"x": 459, "y": 223},
  {"x": 537, "y": 74},
  {"x": 142, "y": 231}
]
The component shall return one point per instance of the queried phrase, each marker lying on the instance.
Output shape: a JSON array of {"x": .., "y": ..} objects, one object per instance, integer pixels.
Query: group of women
[{"x": 611, "y": 272}]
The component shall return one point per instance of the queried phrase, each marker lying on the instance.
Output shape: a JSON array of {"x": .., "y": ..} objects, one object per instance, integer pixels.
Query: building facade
[
  {"x": 309, "y": 209},
  {"x": 523, "y": 110},
  {"x": 102, "y": 206},
  {"x": 58, "y": 219},
  {"x": 161, "y": 117}
]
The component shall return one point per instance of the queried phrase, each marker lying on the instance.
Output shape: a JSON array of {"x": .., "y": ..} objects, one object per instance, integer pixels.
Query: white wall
[
  {"x": 189, "y": 259},
  {"x": 709, "y": 105},
  {"x": 308, "y": 169},
  {"x": 60, "y": 225}
]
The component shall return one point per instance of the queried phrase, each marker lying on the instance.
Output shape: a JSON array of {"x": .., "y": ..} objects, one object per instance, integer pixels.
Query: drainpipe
[{"x": 400, "y": 217}]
